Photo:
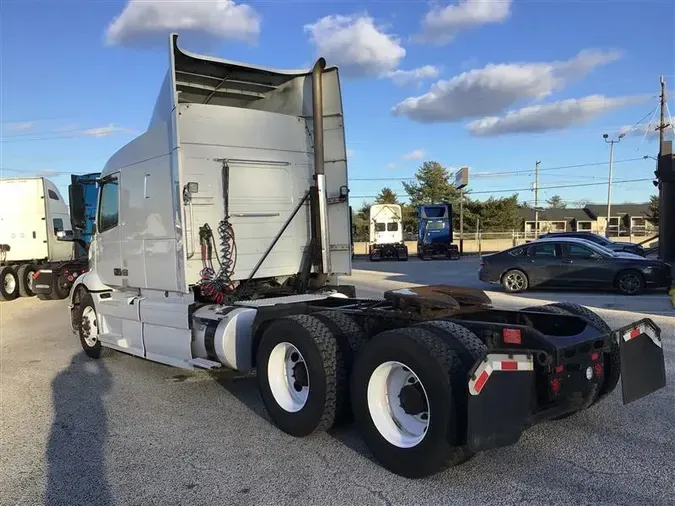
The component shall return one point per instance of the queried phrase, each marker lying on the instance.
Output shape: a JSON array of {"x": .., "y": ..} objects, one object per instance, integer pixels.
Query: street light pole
[{"x": 609, "y": 186}]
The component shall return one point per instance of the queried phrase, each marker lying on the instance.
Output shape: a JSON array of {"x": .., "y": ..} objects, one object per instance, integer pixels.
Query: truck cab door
[
  {"x": 119, "y": 311},
  {"x": 108, "y": 233}
]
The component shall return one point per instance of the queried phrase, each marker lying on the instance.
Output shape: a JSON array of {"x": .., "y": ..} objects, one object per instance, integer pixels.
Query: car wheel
[
  {"x": 515, "y": 281},
  {"x": 630, "y": 283}
]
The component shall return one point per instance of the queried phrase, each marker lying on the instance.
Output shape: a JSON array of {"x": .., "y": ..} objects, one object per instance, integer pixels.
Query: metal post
[
  {"x": 461, "y": 221},
  {"x": 609, "y": 185},
  {"x": 536, "y": 199}
]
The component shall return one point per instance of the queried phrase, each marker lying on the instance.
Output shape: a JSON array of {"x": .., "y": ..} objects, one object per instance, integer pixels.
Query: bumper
[
  {"x": 385, "y": 251},
  {"x": 659, "y": 279},
  {"x": 488, "y": 277},
  {"x": 519, "y": 378}
]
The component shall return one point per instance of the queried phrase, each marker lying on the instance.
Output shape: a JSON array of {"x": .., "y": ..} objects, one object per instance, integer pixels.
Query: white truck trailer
[
  {"x": 386, "y": 233},
  {"x": 220, "y": 234},
  {"x": 35, "y": 230}
]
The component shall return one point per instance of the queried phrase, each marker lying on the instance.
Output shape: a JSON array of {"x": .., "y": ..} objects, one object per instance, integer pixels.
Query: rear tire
[
  {"x": 300, "y": 373},
  {"x": 9, "y": 283},
  {"x": 350, "y": 338},
  {"x": 408, "y": 367},
  {"x": 89, "y": 329},
  {"x": 25, "y": 275},
  {"x": 515, "y": 281},
  {"x": 469, "y": 349}
]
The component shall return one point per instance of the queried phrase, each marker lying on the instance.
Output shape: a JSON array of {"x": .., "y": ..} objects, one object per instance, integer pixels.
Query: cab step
[{"x": 203, "y": 363}]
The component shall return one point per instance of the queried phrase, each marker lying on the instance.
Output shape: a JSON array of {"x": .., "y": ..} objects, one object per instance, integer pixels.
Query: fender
[{"x": 91, "y": 282}]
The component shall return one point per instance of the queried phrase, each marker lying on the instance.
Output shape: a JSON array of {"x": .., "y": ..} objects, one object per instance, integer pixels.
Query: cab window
[
  {"x": 108, "y": 211},
  {"x": 380, "y": 227},
  {"x": 392, "y": 226}
]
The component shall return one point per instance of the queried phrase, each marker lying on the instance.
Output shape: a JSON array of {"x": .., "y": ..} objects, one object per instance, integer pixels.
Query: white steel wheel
[
  {"x": 398, "y": 404},
  {"x": 89, "y": 326},
  {"x": 288, "y": 377},
  {"x": 9, "y": 281}
]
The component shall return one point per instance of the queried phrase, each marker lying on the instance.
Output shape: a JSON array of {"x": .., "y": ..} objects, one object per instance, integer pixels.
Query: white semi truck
[
  {"x": 386, "y": 233},
  {"x": 35, "y": 230},
  {"x": 220, "y": 235}
]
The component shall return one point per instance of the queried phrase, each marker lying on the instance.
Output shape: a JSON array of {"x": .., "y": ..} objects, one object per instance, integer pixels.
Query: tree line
[{"x": 431, "y": 185}]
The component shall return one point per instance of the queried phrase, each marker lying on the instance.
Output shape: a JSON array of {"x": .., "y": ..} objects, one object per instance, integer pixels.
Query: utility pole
[
  {"x": 662, "y": 123},
  {"x": 609, "y": 185},
  {"x": 536, "y": 198}
]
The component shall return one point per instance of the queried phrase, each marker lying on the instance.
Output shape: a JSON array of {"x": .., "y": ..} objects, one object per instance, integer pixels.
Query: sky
[{"x": 495, "y": 85}]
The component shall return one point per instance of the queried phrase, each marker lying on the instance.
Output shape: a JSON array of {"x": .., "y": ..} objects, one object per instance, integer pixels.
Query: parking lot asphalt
[
  {"x": 124, "y": 431},
  {"x": 464, "y": 272}
]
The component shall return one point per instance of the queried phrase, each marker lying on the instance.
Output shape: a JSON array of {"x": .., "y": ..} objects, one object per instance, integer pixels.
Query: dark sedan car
[
  {"x": 572, "y": 263},
  {"x": 628, "y": 247}
]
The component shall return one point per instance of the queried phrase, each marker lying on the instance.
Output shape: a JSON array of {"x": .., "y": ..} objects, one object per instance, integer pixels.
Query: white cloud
[
  {"x": 20, "y": 127},
  {"x": 50, "y": 173},
  {"x": 552, "y": 116},
  {"x": 493, "y": 88},
  {"x": 356, "y": 45},
  {"x": 417, "y": 154},
  {"x": 106, "y": 131},
  {"x": 391, "y": 165},
  {"x": 143, "y": 20},
  {"x": 442, "y": 24},
  {"x": 413, "y": 76}
]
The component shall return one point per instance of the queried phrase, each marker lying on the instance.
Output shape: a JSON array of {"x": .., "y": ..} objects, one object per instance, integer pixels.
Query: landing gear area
[{"x": 396, "y": 251}]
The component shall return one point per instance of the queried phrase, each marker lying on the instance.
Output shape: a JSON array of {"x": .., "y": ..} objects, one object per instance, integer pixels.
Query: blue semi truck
[
  {"x": 434, "y": 237},
  {"x": 53, "y": 282}
]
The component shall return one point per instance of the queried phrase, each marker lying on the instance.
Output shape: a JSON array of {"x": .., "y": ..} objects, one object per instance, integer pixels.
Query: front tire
[
  {"x": 299, "y": 373},
  {"x": 515, "y": 281},
  {"x": 89, "y": 329},
  {"x": 402, "y": 400},
  {"x": 630, "y": 283}
]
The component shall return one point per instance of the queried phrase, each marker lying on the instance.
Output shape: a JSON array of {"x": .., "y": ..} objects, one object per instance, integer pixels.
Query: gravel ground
[{"x": 123, "y": 431}]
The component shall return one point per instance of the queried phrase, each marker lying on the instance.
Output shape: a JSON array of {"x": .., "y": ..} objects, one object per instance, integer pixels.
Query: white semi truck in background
[
  {"x": 220, "y": 236},
  {"x": 35, "y": 230},
  {"x": 386, "y": 233}
]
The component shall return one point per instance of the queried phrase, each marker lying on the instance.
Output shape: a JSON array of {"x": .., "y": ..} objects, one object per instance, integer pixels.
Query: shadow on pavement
[{"x": 75, "y": 450}]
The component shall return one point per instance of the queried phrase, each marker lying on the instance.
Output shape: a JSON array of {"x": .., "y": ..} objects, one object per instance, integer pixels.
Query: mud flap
[
  {"x": 501, "y": 391},
  {"x": 643, "y": 366}
]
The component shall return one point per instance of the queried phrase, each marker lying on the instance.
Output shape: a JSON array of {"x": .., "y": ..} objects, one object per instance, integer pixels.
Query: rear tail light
[
  {"x": 36, "y": 274},
  {"x": 555, "y": 385},
  {"x": 598, "y": 370}
]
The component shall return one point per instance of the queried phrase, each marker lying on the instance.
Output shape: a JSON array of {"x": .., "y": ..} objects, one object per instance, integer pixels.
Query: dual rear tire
[{"x": 405, "y": 388}]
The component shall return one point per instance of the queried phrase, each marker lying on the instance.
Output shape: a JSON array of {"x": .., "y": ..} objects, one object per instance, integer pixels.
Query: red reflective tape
[
  {"x": 512, "y": 336},
  {"x": 594, "y": 356},
  {"x": 559, "y": 368},
  {"x": 635, "y": 332},
  {"x": 480, "y": 382},
  {"x": 509, "y": 366}
]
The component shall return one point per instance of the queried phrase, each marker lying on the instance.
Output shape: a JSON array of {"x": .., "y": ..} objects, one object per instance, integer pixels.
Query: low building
[{"x": 626, "y": 220}]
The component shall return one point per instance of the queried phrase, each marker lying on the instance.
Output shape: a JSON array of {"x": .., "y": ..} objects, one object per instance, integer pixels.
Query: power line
[
  {"x": 508, "y": 172},
  {"x": 543, "y": 188}
]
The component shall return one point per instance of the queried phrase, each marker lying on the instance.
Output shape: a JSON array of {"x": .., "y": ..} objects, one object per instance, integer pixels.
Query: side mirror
[
  {"x": 76, "y": 195},
  {"x": 65, "y": 235}
]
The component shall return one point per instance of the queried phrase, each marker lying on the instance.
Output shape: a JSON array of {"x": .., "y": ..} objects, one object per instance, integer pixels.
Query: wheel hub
[{"x": 411, "y": 398}]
